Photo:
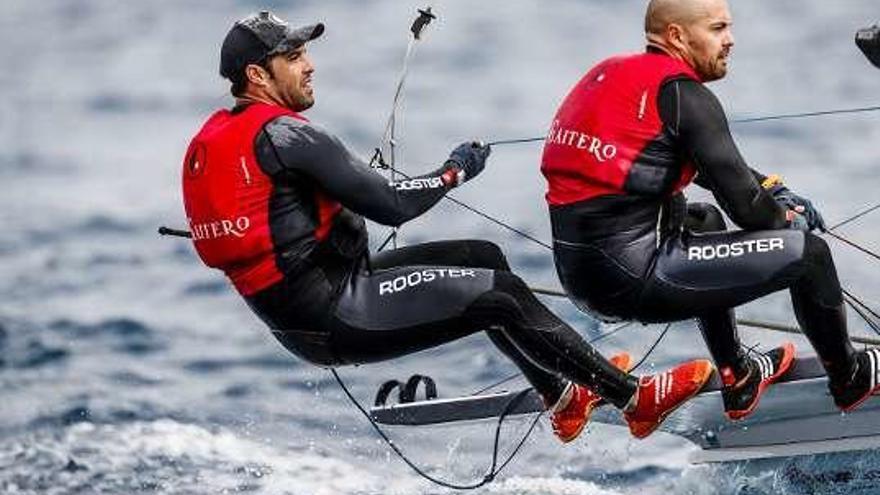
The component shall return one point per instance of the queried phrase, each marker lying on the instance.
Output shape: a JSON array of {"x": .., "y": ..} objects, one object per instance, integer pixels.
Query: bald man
[{"x": 631, "y": 135}]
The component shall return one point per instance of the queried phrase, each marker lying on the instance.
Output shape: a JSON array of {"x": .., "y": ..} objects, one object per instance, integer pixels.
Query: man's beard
[
  {"x": 713, "y": 72},
  {"x": 302, "y": 102}
]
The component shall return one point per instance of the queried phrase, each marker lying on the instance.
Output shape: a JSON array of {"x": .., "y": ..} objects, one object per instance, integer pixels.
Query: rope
[
  {"x": 517, "y": 375},
  {"x": 652, "y": 348},
  {"x": 499, "y": 222},
  {"x": 494, "y": 469},
  {"x": 856, "y": 216},
  {"x": 792, "y": 116},
  {"x": 777, "y": 327},
  {"x": 857, "y": 306},
  {"x": 516, "y": 141},
  {"x": 862, "y": 304},
  {"x": 746, "y": 120},
  {"x": 473, "y": 210},
  {"x": 854, "y": 245}
]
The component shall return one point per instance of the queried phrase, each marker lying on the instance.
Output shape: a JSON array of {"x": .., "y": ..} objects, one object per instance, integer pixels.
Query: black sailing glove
[
  {"x": 466, "y": 161},
  {"x": 803, "y": 206}
]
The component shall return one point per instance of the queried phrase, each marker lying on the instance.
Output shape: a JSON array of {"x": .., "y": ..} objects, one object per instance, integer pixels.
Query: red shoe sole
[
  {"x": 861, "y": 400},
  {"x": 787, "y": 360}
]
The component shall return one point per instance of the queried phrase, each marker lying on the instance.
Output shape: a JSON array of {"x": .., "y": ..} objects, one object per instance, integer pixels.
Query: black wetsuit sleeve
[
  {"x": 696, "y": 119},
  {"x": 304, "y": 149},
  {"x": 700, "y": 181}
]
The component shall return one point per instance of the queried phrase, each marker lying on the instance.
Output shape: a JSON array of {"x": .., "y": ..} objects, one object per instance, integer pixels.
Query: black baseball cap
[{"x": 259, "y": 36}]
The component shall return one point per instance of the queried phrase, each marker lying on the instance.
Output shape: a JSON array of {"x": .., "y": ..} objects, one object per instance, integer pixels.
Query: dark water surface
[{"x": 127, "y": 367}]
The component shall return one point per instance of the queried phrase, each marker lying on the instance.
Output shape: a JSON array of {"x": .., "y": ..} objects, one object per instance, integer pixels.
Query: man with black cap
[{"x": 278, "y": 204}]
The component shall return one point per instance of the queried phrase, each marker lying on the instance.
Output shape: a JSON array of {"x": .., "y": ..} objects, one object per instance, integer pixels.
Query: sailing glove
[
  {"x": 466, "y": 161},
  {"x": 803, "y": 206},
  {"x": 796, "y": 221}
]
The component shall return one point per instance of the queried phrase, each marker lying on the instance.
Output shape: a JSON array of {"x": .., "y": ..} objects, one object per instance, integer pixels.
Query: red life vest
[
  {"x": 597, "y": 141},
  {"x": 226, "y": 196}
]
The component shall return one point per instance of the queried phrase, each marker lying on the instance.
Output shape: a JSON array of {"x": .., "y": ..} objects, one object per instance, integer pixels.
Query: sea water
[{"x": 127, "y": 367}]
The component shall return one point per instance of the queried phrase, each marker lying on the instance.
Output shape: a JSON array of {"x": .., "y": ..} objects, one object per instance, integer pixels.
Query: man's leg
[
  {"x": 698, "y": 274},
  {"x": 396, "y": 310},
  {"x": 819, "y": 307},
  {"x": 718, "y": 327},
  {"x": 465, "y": 253},
  {"x": 475, "y": 254}
]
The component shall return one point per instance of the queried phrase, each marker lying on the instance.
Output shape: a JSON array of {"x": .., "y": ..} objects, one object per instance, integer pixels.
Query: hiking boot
[
  {"x": 660, "y": 394},
  {"x": 864, "y": 381},
  {"x": 572, "y": 412},
  {"x": 741, "y": 395}
]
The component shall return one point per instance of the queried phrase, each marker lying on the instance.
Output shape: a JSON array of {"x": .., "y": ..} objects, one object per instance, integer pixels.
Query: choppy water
[{"x": 126, "y": 367}]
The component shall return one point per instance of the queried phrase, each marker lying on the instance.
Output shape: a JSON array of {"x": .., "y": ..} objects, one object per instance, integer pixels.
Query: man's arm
[
  {"x": 694, "y": 115},
  {"x": 698, "y": 180},
  {"x": 288, "y": 145}
]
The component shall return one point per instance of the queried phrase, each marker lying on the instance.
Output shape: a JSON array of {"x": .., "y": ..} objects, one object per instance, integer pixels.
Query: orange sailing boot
[
  {"x": 572, "y": 412},
  {"x": 658, "y": 395}
]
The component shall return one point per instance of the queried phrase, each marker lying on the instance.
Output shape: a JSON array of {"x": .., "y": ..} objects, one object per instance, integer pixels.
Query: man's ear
[
  {"x": 257, "y": 75},
  {"x": 676, "y": 37}
]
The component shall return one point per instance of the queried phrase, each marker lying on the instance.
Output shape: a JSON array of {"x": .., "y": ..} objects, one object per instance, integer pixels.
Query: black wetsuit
[
  {"x": 338, "y": 305},
  {"x": 655, "y": 259}
]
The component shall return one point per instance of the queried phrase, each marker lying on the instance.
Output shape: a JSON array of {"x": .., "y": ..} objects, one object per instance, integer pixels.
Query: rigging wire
[
  {"x": 853, "y": 245},
  {"x": 389, "y": 139},
  {"x": 494, "y": 469},
  {"x": 652, "y": 348},
  {"x": 855, "y": 217},
  {"x": 862, "y": 310},
  {"x": 776, "y": 327},
  {"x": 862, "y": 304},
  {"x": 861, "y": 313},
  {"x": 745, "y": 120},
  {"x": 517, "y": 375},
  {"x": 803, "y": 115},
  {"x": 477, "y": 212}
]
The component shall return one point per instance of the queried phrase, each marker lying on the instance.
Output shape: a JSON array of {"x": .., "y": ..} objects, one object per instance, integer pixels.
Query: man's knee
[
  {"x": 704, "y": 217},
  {"x": 486, "y": 254},
  {"x": 506, "y": 297},
  {"x": 816, "y": 249},
  {"x": 510, "y": 283},
  {"x": 820, "y": 281}
]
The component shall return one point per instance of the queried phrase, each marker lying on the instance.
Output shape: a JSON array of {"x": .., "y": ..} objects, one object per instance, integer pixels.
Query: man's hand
[
  {"x": 466, "y": 161},
  {"x": 800, "y": 205},
  {"x": 796, "y": 221}
]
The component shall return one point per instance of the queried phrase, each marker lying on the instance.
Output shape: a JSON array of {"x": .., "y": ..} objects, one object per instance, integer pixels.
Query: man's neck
[{"x": 247, "y": 99}]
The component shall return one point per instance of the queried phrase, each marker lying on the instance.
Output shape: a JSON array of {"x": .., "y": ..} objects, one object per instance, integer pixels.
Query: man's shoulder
[
  {"x": 287, "y": 129},
  {"x": 287, "y": 133}
]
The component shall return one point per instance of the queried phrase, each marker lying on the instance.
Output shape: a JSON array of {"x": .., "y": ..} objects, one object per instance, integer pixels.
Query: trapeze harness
[
  {"x": 634, "y": 132},
  {"x": 278, "y": 204}
]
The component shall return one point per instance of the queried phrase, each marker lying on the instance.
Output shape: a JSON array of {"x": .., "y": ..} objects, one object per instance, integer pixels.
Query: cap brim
[{"x": 300, "y": 36}]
